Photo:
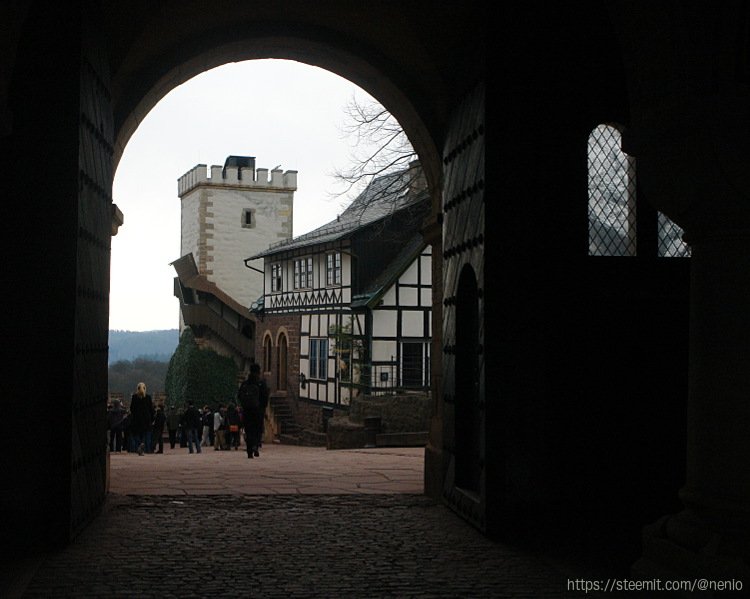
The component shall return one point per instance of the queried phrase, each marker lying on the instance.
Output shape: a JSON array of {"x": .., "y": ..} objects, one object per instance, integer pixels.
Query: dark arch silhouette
[{"x": 468, "y": 419}]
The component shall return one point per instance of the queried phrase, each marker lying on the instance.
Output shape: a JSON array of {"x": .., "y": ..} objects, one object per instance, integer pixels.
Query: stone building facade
[
  {"x": 232, "y": 211},
  {"x": 228, "y": 212}
]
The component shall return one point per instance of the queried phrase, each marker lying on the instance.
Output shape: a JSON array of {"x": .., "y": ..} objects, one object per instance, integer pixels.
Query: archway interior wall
[
  {"x": 463, "y": 244},
  {"x": 589, "y": 381}
]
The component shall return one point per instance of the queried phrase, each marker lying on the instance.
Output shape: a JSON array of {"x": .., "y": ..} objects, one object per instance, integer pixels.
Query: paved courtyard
[
  {"x": 280, "y": 470},
  {"x": 297, "y": 522}
]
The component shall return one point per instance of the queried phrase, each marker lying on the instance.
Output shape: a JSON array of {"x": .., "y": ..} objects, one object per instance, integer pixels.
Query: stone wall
[
  {"x": 274, "y": 325},
  {"x": 214, "y": 227},
  {"x": 399, "y": 413}
]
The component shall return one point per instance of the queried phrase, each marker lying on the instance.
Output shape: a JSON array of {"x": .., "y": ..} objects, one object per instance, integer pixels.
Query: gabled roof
[
  {"x": 187, "y": 273},
  {"x": 382, "y": 197},
  {"x": 390, "y": 274}
]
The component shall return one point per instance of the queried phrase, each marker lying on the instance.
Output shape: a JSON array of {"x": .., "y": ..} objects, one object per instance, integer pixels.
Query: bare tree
[{"x": 381, "y": 163}]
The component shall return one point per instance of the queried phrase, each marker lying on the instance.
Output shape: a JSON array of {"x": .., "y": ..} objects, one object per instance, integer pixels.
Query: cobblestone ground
[{"x": 289, "y": 546}]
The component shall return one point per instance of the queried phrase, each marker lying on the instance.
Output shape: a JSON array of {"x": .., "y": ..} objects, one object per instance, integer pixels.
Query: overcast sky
[{"x": 282, "y": 112}]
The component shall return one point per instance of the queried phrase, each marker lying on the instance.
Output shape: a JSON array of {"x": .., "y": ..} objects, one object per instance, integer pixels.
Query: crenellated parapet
[{"x": 236, "y": 176}]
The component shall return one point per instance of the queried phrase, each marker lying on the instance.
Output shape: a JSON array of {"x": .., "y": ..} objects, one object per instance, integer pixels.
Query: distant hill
[{"x": 154, "y": 345}]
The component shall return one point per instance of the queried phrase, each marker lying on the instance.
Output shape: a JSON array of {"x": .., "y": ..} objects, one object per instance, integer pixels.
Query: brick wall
[{"x": 274, "y": 325}]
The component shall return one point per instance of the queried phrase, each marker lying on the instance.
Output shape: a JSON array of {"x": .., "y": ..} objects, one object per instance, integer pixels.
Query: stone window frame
[{"x": 245, "y": 213}]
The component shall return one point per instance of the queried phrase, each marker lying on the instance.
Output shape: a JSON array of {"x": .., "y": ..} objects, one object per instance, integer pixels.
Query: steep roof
[
  {"x": 382, "y": 197},
  {"x": 390, "y": 273}
]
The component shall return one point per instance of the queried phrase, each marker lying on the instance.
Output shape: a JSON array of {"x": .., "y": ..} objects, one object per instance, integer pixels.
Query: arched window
[
  {"x": 612, "y": 217},
  {"x": 612, "y": 203},
  {"x": 267, "y": 354}
]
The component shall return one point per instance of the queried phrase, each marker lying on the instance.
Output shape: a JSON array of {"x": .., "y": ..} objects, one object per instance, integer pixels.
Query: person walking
[
  {"x": 218, "y": 428},
  {"x": 207, "y": 419},
  {"x": 233, "y": 418},
  {"x": 116, "y": 421},
  {"x": 158, "y": 429},
  {"x": 191, "y": 425},
  {"x": 249, "y": 397},
  {"x": 142, "y": 415},
  {"x": 173, "y": 423}
]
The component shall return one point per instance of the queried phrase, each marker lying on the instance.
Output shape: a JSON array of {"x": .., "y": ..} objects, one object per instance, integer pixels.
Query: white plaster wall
[
  {"x": 410, "y": 275},
  {"x": 384, "y": 323},
  {"x": 346, "y": 269},
  {"x": 412, "y": 323},
  {"x": 408, "y": 296},
  {"x": 383, "y": 350},
  {"x": 232, "y": 242},
  {"x": 389, "y": 297},
  {"x": 189, "y": 224},
  {"x": 426, "y": 299}
]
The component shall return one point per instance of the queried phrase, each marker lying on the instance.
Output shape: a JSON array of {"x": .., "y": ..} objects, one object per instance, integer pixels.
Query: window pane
[
  {"x": 611, "y": 195},
  {"x": 323, "y": 359},
  {"x": 313, "y": 358},
  {"x": 671, "y": 244},
  {"x": 412, "y": 364}
]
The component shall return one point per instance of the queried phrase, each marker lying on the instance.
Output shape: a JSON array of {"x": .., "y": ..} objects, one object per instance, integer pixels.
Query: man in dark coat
[
  {"x": 251, "y": 397},
  {"x": 192, "y": 425},
  {"x": 116, "y": 421},
  {"x": 142, "y": 417},
  {"x": 158, "y": 430}
]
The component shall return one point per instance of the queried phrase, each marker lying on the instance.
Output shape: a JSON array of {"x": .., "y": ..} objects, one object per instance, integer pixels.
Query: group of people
[{"x": 141, "y": 429}]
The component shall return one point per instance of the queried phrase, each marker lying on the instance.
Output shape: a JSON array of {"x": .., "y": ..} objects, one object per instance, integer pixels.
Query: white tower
[{"x": 230, "y": 213}]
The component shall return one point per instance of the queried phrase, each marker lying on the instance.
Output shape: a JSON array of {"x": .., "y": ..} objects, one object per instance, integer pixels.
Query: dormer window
[
  {"x": 303, "y": 273},
  {"x": 276, "y": 277},
  {"x": 333, "y": 268}
]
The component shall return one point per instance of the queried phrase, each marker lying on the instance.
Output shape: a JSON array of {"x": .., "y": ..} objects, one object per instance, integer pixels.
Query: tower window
[{"x": 248, "y": 218}]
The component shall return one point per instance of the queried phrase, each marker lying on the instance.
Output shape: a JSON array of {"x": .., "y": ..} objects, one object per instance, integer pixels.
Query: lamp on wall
[{"x": 302, "y": 380}]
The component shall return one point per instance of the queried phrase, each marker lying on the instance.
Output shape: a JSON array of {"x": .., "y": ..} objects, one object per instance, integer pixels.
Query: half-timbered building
[{"x": 346, "y": 308}]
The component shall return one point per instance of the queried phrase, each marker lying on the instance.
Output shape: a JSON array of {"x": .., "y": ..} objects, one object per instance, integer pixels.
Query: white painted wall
[
  {"x": 229, "y": 242},
  {"x": 189, "y": 224},
  {"x": 412, "y": 323},
  {"x": 233, "y": 242},
  {"x": 384, "y": 323}
]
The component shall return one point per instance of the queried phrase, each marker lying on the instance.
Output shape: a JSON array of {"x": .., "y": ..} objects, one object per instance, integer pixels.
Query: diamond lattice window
[
  {"x": 671, "y": 244},
  {"x": 611, "y": 195}
]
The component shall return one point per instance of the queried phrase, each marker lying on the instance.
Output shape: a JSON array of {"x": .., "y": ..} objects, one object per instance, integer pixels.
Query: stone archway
[{"x": 76, "y": 82}]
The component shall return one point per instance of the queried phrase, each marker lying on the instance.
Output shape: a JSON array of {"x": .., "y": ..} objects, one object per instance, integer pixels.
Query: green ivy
[{"x": 199, "y": 375}]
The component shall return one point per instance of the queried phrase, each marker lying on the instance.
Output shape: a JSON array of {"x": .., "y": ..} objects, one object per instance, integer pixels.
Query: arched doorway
[
  {"x": 281, "y": 363},
  {"x": 468, "y": 416}
]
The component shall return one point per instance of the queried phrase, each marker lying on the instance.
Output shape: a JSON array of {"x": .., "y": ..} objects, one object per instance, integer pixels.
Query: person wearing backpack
[
  {"x": 192, "y": 424},
  {"x": 249, "y": 397}
]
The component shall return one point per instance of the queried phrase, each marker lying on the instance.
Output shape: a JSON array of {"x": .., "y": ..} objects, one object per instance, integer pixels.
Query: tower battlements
[{"x": 237, "y": 176}]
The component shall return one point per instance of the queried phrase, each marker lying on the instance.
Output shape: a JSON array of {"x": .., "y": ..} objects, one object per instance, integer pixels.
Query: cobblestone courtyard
[
  {"x": 295, "y": 523},
  {"x": 287, "y": 546}
]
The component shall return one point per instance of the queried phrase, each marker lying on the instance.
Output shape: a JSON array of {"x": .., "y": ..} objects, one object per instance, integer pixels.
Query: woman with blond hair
[{"x": 142, "y": 415}]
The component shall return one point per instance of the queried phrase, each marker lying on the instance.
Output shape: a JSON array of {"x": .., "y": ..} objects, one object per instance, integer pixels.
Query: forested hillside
[
  {"x": 154, "y": 345},
  {"x": 125, "y": 375}
]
